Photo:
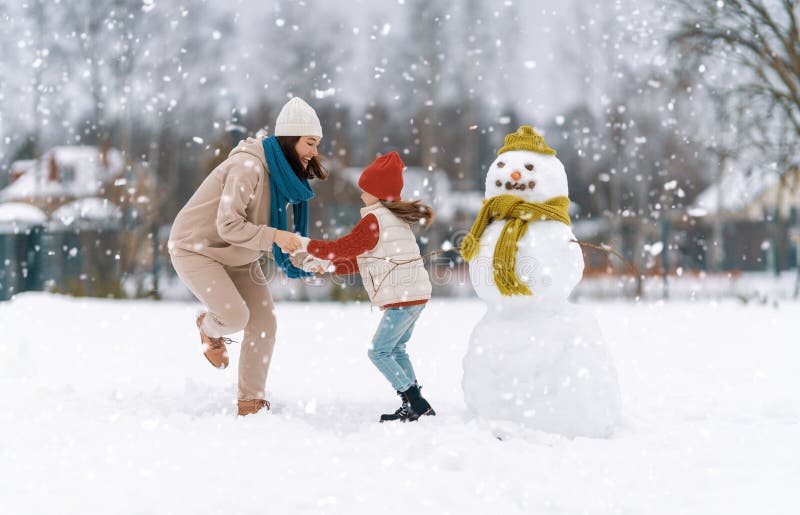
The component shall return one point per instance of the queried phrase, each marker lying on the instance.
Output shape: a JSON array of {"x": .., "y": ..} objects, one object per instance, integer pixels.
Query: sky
[{"x": 543, "y": 56}]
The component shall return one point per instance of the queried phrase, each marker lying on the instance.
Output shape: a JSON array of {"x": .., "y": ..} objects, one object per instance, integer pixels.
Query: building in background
[
  {"x": 752, "y": 214},
  {"x": 96, "y": 210}
]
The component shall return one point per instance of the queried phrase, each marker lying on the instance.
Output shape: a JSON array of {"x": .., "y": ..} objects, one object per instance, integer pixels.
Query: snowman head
[{"x": 527, "y": 167}]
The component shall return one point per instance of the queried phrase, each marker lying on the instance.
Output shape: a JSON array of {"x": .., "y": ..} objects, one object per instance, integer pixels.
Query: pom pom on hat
[
  {"x": 526, "y": 138},
  {"x": 384, "y": 177},
  {"x": 297, "y": 118}
]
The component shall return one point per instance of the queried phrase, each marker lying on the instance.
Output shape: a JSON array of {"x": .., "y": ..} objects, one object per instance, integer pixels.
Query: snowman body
[
  {"x": 548, "y": 262},
  {"x": 537, "y": 360}
]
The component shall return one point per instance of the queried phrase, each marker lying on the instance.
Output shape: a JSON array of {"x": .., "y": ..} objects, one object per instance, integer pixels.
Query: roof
[
  {"x": 81, "y": 174},
  {"x": 748, "y": 194},
  {"x": 87, "y": 213},
  {"x": 23, "y": 165},
  {"x": 18, "y": 217}
]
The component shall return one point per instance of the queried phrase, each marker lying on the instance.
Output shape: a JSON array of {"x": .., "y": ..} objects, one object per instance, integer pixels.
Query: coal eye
[
  {"x": 500, "y": 164},
  {"x": 528, "y": 166}
]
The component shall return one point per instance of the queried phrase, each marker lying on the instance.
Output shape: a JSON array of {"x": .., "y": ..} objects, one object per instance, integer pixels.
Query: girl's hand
[
  {"x": 287, "y": 241},
  {"x": 316, "y": 265},
  {"x": 318, "y": 270}
]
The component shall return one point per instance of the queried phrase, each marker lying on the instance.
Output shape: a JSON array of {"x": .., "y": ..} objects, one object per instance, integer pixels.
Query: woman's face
[{"x": 306, "y": 148}]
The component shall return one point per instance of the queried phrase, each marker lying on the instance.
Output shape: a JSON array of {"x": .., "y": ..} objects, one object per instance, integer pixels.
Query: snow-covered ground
[{"x": 109, "y": 407}]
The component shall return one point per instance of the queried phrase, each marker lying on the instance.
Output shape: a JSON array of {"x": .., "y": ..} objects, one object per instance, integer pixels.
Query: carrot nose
[{"x": 516, "y": 175}]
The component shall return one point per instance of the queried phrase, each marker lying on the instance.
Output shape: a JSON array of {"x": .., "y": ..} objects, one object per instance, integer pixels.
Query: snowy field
[{"x": 109, "y": 407}]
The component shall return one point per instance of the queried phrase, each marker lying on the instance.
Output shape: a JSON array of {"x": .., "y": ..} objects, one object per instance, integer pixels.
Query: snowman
[{"x": 534, "y": 358}]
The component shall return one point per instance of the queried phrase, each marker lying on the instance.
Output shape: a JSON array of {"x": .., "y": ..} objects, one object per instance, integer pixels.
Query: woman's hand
[{"x": 287, "y": 241}]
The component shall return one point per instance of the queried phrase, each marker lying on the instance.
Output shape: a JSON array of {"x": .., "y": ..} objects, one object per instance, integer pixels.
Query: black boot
[
  {"x": 417, "y": 404},
  {"x": 401, "y": 414}
]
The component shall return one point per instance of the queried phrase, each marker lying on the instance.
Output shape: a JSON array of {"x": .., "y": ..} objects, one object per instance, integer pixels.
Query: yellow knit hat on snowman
[{"x": 526, "y": 138}]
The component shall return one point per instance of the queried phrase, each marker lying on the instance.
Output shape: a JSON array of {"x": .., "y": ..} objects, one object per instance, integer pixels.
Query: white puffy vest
[{"x": 386, "y": 283}]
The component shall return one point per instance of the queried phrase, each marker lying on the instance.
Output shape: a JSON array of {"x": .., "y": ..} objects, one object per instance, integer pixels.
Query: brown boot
[
  {"x": 213, "y": 348},
  {"x": 250, "y": 406}
]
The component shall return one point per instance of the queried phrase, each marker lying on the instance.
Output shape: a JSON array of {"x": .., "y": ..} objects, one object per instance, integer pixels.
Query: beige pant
[{"x": 237, "y": 298}]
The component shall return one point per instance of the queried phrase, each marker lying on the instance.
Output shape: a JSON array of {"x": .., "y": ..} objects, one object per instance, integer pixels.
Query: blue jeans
[{"x": 388, "y": 351}]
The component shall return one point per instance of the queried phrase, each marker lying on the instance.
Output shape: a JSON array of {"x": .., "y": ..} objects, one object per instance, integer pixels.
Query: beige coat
[
  {"x": 386, "y": 283},
  {"x": 227, "y": 219}
]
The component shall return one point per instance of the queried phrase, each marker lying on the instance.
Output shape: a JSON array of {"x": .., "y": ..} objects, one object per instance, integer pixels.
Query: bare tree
[
  {"x": 308, "y": 64},
  {"x": 37, "y": 52},
  {"x": 759, "y": 37},
  {"x": 425, "y": 55},
  {"x": 472, "y": 80},
  {"x": 759, "y": 41}
]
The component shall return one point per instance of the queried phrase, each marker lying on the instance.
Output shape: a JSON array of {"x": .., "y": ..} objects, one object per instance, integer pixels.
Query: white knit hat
[{"x": 297, "y": 118}]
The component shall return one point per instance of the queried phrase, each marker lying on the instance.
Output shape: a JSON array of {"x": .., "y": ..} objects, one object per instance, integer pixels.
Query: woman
[{"x": 238, "y": 213}]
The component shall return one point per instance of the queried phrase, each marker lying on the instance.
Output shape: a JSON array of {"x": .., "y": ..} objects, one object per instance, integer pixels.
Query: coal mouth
[{"x": 517, "y": 185}]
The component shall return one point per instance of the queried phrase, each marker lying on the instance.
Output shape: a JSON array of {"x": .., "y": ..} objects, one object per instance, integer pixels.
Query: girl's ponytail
[{"x": 410, "y": 211}]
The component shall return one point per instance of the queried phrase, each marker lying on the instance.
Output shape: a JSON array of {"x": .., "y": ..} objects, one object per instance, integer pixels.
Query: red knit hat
[{"x": 384, "y": 177}]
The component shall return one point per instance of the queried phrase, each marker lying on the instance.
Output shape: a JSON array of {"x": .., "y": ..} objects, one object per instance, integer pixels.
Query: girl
[
  {"x": 383, "y": 249},
  {"x": 237, "y": 214}
]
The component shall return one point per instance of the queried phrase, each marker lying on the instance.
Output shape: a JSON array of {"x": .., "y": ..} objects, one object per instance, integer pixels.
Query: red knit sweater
[{"x": 342, "y": 253}]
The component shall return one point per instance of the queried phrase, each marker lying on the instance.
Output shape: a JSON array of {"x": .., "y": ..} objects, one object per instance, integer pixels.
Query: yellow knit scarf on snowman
[{"x": 519, "y": 214}]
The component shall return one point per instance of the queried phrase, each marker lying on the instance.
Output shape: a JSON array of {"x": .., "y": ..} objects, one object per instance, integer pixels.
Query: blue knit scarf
[{"x": 286, "y": 188}]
